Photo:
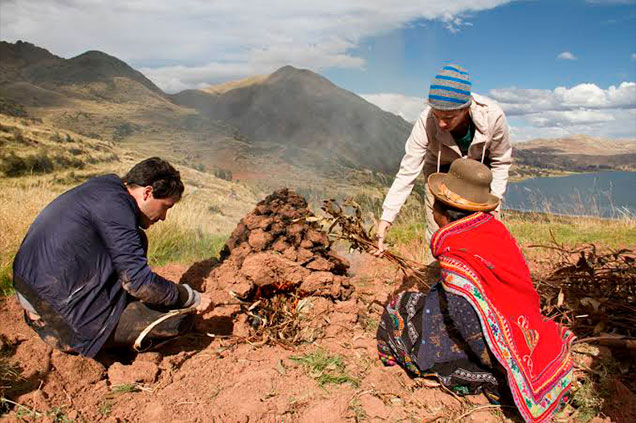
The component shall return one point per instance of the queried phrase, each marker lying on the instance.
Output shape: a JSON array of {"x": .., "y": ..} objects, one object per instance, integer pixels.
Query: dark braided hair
[
  {"x": 452, "y": 212},
  {"x": 164, "y": 179}
]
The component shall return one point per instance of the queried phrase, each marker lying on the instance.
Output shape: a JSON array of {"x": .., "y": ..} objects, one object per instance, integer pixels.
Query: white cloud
[
  {"x": 533, "y": 113},
  {"x": 633, "y": 56},
  {"x": 518, "y": 101},
  {"x": 409, "y": 108},
  {"x": 212, "y": 41},
  {"x": 582, "y": 109},
  {"x": 566, "y": 55}
]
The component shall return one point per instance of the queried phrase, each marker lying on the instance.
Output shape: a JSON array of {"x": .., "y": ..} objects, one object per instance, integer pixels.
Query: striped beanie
[{"x": 450, "y": 89}]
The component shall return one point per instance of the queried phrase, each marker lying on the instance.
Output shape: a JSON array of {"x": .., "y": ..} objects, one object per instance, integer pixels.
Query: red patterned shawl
[{"x": 482, "y": 262}]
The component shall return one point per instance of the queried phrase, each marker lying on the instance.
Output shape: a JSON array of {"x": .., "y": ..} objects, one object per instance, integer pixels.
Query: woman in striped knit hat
[{"x": 457, "y": 123}]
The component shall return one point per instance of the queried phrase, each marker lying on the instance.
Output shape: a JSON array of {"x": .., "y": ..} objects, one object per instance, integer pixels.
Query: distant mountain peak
[
  {"x": 290, "y": 71},
  {"x": 25, "y": 62},
  {"x": 304, "y": 111},
  {"x": 231, "y": 85},
  {"x": 22, "y": 53},
  {"x": 97, "y": 55}
]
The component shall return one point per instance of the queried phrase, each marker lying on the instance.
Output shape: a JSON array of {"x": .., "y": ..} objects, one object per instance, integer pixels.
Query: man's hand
[
  {"x": 383, "y": 228},
  {"x": 205, "y": 303}
]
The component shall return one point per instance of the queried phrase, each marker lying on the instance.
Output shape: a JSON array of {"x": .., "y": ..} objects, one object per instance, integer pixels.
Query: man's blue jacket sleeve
[{"x": 119, "y": 230}]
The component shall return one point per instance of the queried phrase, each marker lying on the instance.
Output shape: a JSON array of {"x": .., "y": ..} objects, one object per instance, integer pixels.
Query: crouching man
[{"x": 81, "y": 273}]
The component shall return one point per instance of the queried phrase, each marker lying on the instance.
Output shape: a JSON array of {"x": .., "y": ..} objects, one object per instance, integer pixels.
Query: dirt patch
[
  {"x": 275, "y": 267},
  {"x": 218, "y": 374}
]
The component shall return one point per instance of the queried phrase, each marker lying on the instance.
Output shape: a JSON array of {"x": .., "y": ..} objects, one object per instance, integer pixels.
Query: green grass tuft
[
  {"x": 535, "y": 228},
  {"x": 105, "y": 408},
  {"x": 125, "y": 388},
  {"x": 610, "y": 233},
  {"x": 171, "y": 243},
  {"x": 6, "y": 279},
  {"x": 586, "y": 400},
  {"x": 325, "y": 369}
]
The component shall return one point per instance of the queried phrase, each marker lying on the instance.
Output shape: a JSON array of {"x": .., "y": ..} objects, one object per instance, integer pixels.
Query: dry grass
[
  {"x": 19, "y": 205},
  {"x": 538, "y": 228},
  {"x": 195, "y": 228}
]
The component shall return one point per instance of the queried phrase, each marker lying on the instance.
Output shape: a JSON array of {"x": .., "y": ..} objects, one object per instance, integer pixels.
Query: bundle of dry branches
[
  {"x": 351, "y": 229},
  {"x": 277, "y": 320},
  {"x": 593, "y": 292}
]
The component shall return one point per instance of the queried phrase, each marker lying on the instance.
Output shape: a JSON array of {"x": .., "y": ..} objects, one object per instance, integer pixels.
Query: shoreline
[{"x": 564, "y": 173}]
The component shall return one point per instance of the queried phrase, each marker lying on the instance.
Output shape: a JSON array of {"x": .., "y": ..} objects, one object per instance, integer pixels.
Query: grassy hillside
[
  {"x": 577, "y": 153},
  {"x": 38, "y": 162}
]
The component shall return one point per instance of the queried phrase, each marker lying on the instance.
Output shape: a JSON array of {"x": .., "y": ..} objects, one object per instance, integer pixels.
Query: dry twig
[
  {"x": 351, "y": 229},
  {"x": 593, "y": 292}
]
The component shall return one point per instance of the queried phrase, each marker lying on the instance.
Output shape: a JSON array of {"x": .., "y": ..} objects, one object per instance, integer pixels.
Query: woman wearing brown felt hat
[{"x": 479, "y": 328}]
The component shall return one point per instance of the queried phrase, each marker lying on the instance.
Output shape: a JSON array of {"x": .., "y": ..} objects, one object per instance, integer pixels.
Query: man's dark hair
[
  {"x": 452, "y": 212},
  {"x": 164, "y": 179}
]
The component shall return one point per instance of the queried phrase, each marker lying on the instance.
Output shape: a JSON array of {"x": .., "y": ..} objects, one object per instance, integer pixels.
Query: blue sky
[
  {"x": 557, "y": 67},
  {"x": 515, "y": 44}
]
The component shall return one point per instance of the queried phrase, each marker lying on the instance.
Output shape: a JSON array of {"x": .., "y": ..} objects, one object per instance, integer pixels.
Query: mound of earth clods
[{"x": 278, "y": 247}]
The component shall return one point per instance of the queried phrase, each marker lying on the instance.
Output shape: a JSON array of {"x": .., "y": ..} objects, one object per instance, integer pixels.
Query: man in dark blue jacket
[{"x": 82, "y": 274}]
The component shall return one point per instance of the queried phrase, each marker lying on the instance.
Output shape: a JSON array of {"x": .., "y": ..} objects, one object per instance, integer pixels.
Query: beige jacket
[{"x": 431, "y": 149}]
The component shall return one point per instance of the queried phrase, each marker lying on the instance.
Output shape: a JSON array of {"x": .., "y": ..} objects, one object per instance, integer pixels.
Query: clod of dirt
[
  {"x": 138, "y": 372},
  {"x": 278, "y": 248},
  {"x": 71, "y": 367}
]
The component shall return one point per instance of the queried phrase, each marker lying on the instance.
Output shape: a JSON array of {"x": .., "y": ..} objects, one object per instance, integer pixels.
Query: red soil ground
[{"x": 216, "y": 374}]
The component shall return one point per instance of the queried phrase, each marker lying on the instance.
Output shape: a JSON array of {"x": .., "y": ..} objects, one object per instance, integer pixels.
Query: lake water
[{"x": 606, "y": 194}]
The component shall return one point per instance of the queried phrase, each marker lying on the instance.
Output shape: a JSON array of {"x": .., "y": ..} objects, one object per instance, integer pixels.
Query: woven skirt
[{"x": 439, "y": 333}]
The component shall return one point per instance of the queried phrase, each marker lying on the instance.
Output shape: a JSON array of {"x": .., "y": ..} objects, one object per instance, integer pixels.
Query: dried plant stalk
[
  {"x": 276, "y": 320},
  {"x": 351, "y": 228},
  {"x": 591, "y": 291}
]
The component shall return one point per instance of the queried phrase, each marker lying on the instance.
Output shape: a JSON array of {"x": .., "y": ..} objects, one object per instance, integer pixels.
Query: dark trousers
[
  {"x": 54, "y": 330},
  {"x": 137, "y": 316}
]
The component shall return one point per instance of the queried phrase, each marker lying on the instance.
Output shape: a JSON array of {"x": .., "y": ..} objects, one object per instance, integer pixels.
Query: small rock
[
  {"x": 350, "y": 306},
  {"x": 304, "y": 255},
  {"x": 365, "y": 343},
  {"x": 262, "y": 209},
  {"x": 374, "y": 407},
  {"x": 280, "y": 245},
  {"x": 239, "y": 235},
  {"x": 253, "y": 221},
  {"x": 277, "y": 228},
  {"x": 151, "y": 357},
  {"x": 266, "y": 223},
  {"x": 295, "y": 229},
  {"x": 241, "y": 326},
  {"x": 317, "y": 237},
  {"x": 306, "y": 244},
  {"x": 341, "y": 288},
  {"x": 320, "y": 264},
  {"x": 289, "y": 211},
  {"x": 137, "y": 372},
  {"x": 259, "y": 240},
  {"x": 317, "y": 283},
  {"x": 240, "y": 252}
]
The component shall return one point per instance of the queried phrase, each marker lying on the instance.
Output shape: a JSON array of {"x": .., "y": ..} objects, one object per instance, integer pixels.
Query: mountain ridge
[
  {"x": 577, "y": 153},
  {"x": 301, "y": 109},
  {"x": 24, "y": 62},
  {"x": 291, "y": 115}
]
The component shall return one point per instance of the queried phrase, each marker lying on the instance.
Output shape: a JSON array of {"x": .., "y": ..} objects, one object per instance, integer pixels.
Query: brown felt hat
[{"x": 466, "y": 186}]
